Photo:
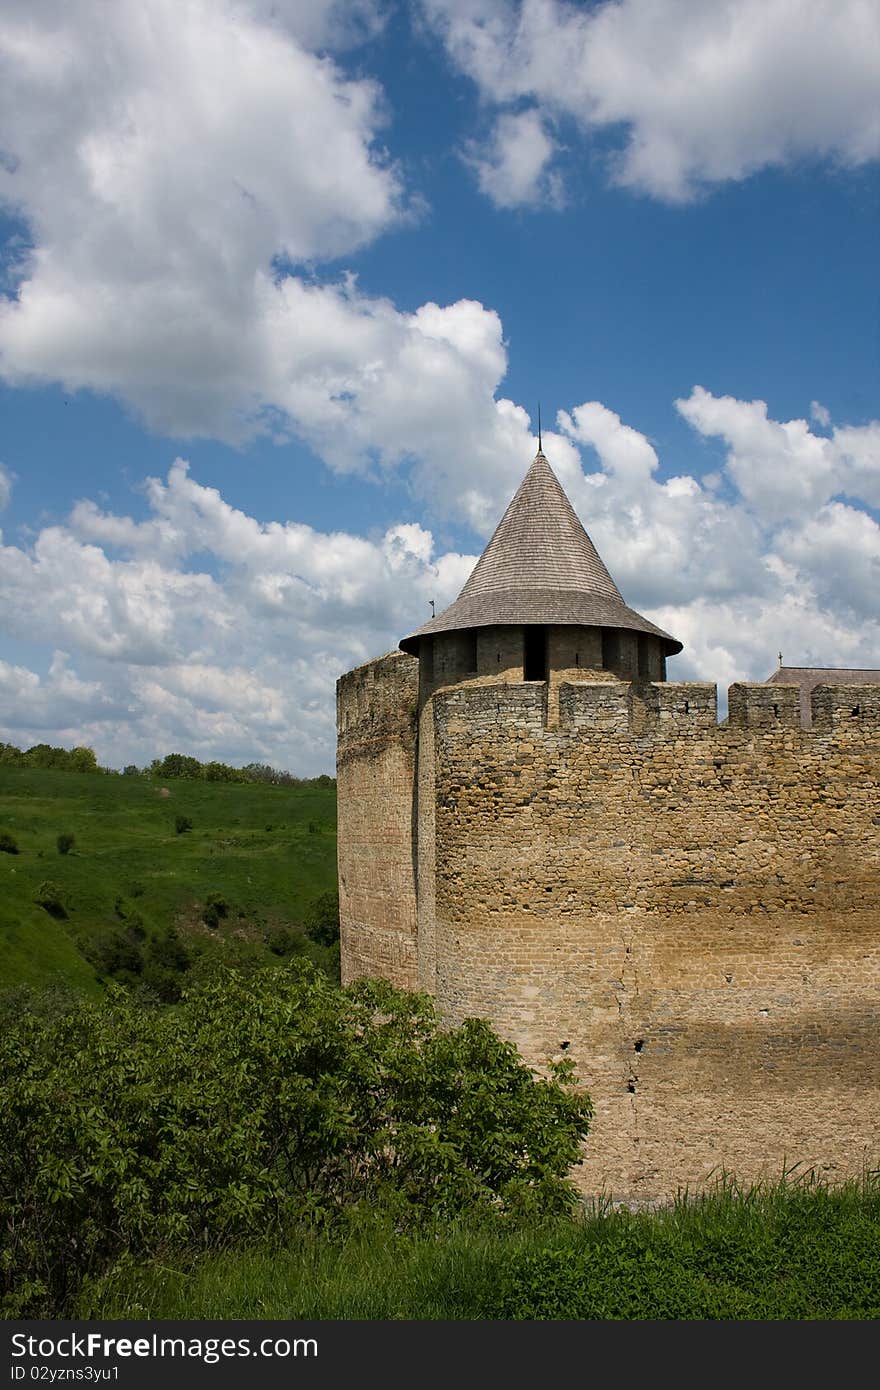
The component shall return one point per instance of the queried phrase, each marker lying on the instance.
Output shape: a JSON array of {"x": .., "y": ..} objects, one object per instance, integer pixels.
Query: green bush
[
  {"x": 182, "y": 824},
  {"x": 8, "y": 844},
  {"x": 215, "y": 909},
  {"x": 284, "y": 941},
  {"x": 260, "y": 1103},
  {"x": 65, "y": 843},
  {"x": 117, "y": 954},
  {"x": 322, "y": 919},
  {"x": 51, "y": 899}
]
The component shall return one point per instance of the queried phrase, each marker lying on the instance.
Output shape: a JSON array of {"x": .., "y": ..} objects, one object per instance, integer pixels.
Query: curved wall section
[{"x": 376, "y": 709}]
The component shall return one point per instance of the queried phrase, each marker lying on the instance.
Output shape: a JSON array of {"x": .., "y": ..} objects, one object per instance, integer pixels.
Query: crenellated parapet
[{"x": 664, "y": 710}]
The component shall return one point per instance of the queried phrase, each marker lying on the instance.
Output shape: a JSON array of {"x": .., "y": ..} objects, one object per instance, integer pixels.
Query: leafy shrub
[
  {"x": 182, "y": 824},
  {"x": 215, "y": 909},
  {"x": 283, "y": 941},
  {"x": 51, "y": 899},
  {"x": 131, "y": 770},
  {"x": 65, "y": 842},
  {"x": 259, "y": 1103},
  {"x": 322, "y": 919},
  {"x": 155, "y": 964},
  {"x": 8, "y": 843},
  {"x": 117, "y": 954}
]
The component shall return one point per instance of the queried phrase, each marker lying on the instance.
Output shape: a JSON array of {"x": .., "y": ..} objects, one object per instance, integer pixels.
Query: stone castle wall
[
  {"x": 376, "y": 712},
  {"x": 691, "y": 912}
]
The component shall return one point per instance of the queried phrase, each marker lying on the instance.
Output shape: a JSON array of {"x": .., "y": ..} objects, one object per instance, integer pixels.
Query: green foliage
[
  {"x": 284, "y": 941},
  {"x": 322, "y": 919},
  {"x": 153, "y": 963},
  {"x": 216, "y": 908},
  {"x": 131, "y": 770},
  {"x": 50, "y": 897},
  {"x": 182, "y": 824},
  {"x": 177, "y": 765},
  {"x": 83, "y": 760},
  {"x": 65, "y": 842},
  {"x": 261, "y": 1102},
  {"x": 43, "y": 755},
  {"x": 8, "y": 844},
  {"x": 117, "y": 954}
]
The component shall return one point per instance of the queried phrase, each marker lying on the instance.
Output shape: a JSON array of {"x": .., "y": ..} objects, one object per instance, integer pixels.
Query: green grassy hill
[{"x": 267, "y": 851}]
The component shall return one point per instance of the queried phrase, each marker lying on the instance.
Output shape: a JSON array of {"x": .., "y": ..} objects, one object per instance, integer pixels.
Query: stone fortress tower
[{"x": 538, "y": 828}]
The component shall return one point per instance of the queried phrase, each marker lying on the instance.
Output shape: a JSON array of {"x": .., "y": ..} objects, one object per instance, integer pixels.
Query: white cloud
[
  {"x": 237, "y": 664},
  {"x": 165, "y": 156},
  {"x": 323, "y": 24},
  {"x": 512, "y": 167},
  {"x": 59, "y": 702},
  {"x": 702, "y": 93},
  {"x": 6, "y": 481},
  {"x": 781, "y": 468}
]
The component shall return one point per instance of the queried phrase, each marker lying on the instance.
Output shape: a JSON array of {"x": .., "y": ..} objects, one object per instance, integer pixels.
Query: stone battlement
[{"x": 667, "y": 709}]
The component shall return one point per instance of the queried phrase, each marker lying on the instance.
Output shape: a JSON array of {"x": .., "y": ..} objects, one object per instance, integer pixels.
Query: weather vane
[{"x": 431, "y": 601}]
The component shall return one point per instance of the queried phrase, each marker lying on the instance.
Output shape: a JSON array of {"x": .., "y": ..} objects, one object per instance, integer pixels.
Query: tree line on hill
[
  {"x": 42, "y": 755},
  {"x": 174, "y": 765}
]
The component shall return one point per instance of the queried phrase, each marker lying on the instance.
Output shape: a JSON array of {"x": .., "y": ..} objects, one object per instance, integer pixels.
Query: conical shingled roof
[{"x": 539, "y": 567}]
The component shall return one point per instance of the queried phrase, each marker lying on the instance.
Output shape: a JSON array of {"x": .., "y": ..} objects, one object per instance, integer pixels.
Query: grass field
[
  {"x": 787, "y": 1252},
  {"x": 269, "y": 851}
]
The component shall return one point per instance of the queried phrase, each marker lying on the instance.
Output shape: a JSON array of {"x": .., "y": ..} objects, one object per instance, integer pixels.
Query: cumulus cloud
[
  {"x": 237, "y": 663},
  {"x": 182, "y": 166},
  {"x": 203, "y": 629},
  {"x": 171, "y": 159},
  {"x": 700, "y": 93},
  {"x": 512, "y": 166},
  {"x": 781, "y": 468}
]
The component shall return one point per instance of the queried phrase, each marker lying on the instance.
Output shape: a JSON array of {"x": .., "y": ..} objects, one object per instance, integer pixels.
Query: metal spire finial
[{"x": 540, "y": 449}]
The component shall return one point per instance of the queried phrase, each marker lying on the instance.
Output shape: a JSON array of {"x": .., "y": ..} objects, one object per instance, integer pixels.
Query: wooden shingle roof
[{"x": 539, "y": 567}]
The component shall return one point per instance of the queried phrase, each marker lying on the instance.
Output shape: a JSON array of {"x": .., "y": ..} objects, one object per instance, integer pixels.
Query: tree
[
  {"x": 83, "y": 760},
  {"x": 322, "y": 919}
]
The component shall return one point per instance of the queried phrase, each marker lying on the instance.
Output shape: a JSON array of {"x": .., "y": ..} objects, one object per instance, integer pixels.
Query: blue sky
[{"x": 283, "y": 284}]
